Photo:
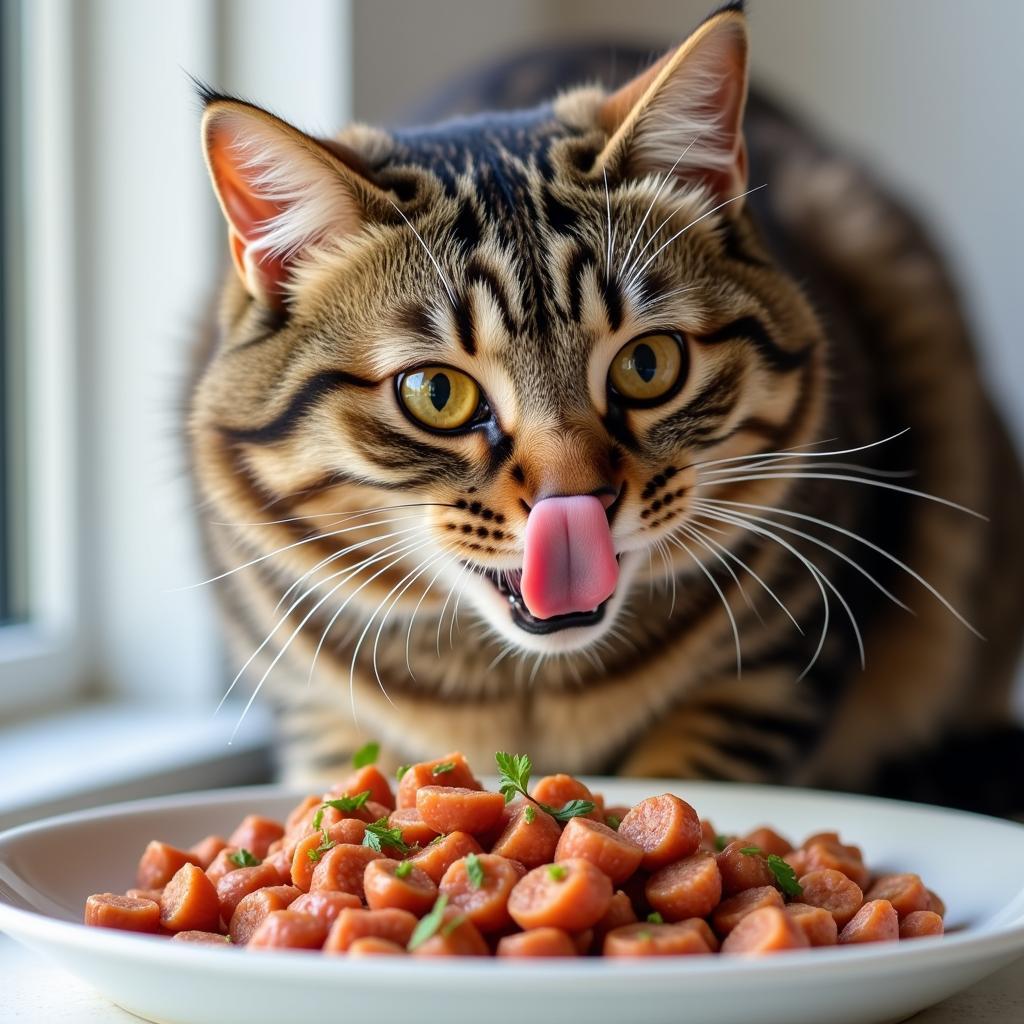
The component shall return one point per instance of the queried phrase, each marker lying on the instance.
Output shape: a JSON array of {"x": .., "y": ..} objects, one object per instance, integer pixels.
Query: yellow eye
[
  {"x": 439, "y": 397},
  {"x": 647, "y": 369}
]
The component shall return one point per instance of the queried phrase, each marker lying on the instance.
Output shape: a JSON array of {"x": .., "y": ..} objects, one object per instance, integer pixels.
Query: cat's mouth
[{"x": 507, "y": 583}]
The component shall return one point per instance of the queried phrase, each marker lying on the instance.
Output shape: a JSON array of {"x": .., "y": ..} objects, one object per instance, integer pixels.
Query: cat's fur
[{"x": 818, "y": 317}]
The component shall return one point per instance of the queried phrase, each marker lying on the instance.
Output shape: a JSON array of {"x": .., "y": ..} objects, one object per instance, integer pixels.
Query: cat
[{"x": 636, "y": 430}]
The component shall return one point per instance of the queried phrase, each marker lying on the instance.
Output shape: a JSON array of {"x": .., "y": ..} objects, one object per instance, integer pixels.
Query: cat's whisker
[
  {"x": 295, "y": 544},
  {"x": 669, "y": 572},
  {"x": 401, "y": 587},
  {"x": 433, "y": 259},
  {"x": 412, "y": 618},
  {"x": 694, "y": 533},
  {"x": 657, "y": 195},
  {"x": 447, "y": 600},
  {"x": 786, "y": 466},
  {"x": 351, "y": 571},
  {"x": 455, "y": 614},
  {"x": 849, "y": 479},
  {"x": 344, "y": 516},
  {"x": 608, "y": 246},
  {"x": 818, "y": 542},
  {"x": 750, "y": 572},
  {"x": 786, "y": 453},
  {"x": 324, "y": 562},
  {"x": 413, "y": 545},
  {"x": 819, "y": 577},
  {"x": 679, "y": 542},
  {"x": 635, "y": 275},
  {"x": 861, "y": 540}
]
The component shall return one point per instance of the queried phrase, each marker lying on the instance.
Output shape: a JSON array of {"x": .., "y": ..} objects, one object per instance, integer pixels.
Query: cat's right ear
[{"x": 281, "y": 192}]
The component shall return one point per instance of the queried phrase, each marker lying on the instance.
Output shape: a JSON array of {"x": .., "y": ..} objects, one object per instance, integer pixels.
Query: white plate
[{"x": 48, "y": 869}]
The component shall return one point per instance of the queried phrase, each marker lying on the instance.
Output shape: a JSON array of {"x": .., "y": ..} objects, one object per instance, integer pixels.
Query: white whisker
[
  {"x": 849, "y": 479},
  {"x": 861, "y": 540},
  {"x": 437, "y": 266},
  {"x": 635, "y": 276},
  {"x": 679, "y": 542}
]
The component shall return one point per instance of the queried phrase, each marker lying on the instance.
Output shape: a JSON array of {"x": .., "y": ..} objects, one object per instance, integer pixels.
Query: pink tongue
[{"x": 569, "y": 562}]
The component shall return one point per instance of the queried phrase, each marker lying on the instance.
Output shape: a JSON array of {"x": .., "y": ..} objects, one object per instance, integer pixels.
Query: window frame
[{"x": 42, "y": 656}]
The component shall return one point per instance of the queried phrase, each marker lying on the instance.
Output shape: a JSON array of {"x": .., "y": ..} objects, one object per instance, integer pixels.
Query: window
[{"x": 39, "y": 656}]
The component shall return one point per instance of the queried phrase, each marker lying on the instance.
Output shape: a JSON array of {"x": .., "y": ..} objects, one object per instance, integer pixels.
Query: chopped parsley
[
  {"x": 514, "y": 776},
  {"x": 378, "y": 835},
  {"x": 443, "y": 768},
  {"x": 784, "y": 875},
  {"x": 474, "y": 870},
  {"x": 244, "y": 859},
  {"x": 529, "y": 814},
  {"x": 750, "y": 851},
  {"x": 404, "y": 869},
  {"x": 366, "y": 754},
  {"x": 721, "y": 842},
  {"x": 655, "y": 918},
  {"x": 557, "y": 872},
  {"x": 644, "y": 935},
  {"x": 436, "y": 839},
  {"x": 401, "y": 770},
  {"x": 326, "y": 844},
  {"x": 345, "y": 804},
  {"x": 613, "y": 821},
  {"x": 429, "y": 923},
  {"x": 454, "y": 923}
]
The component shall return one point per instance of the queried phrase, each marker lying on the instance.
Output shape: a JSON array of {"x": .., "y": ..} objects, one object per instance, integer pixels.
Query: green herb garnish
[
  {"x": 613, "y": 821},
  {"x": 514, "y": 776},
  {"x": 750, "y": 851},
  {"x": 326, "y": 844},
  {"x": 244, "y": 859},
  {"x": 655, "y": 918},
  {"x": 443, "y": 768},
  {"x": 401, "y": 770},
  {"x": 529, "y": 814},
  {"x": 436, "y": 839},
  {"x": 474, "y": 870},
  {"x": 404, "y": 869},
  {"x": 557, "y": 873},
  {"x": 429, "y": 923},
  {"x": 347, "y": 804},
  {"x": 366, "y": 754},
  {"x": 784, "y": 875},
  {"x": 645, "y": 935},
  {"x": 454, "y": 923},
  {"x": 378, "y": 834},
  {"x": 721, "y": 842}
]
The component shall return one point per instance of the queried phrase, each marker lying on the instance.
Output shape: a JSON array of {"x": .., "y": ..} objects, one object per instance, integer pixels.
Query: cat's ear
[
  {"x": 281, "y": 191},
  {"x": 685, "y": 113}
]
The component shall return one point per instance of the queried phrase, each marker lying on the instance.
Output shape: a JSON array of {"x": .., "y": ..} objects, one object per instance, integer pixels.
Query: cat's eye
[
  {"x": 439, "y": 397},
  {"x": 648, "y": 369}
]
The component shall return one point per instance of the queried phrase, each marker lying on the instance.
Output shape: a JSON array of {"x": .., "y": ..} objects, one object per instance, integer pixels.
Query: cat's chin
[{"x": 501, "y": 606}]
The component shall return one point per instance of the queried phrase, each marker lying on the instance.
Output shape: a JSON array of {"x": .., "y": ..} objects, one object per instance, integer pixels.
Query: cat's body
[{"x": 519, "y": 292}]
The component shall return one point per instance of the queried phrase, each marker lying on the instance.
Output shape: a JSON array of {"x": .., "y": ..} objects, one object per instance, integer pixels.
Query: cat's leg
[{"x": 751, "y": 729}]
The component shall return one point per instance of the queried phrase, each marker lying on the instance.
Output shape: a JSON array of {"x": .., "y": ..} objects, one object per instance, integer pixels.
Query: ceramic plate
[{"x": 974, "y": 863}]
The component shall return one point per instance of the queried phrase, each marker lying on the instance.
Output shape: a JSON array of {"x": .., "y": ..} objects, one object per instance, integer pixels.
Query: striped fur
[{"x": 497, "y": 244}]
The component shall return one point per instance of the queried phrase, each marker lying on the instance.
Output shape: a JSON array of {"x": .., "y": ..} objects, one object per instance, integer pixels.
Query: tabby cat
[{"x": 636, "y": 430}]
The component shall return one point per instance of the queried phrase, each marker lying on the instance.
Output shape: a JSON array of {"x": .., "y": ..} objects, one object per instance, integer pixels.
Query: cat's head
[{"x": 530, "y": 339}]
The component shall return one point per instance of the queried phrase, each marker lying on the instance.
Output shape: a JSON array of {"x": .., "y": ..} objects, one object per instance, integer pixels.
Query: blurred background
[{"x": 113, "y": 247}]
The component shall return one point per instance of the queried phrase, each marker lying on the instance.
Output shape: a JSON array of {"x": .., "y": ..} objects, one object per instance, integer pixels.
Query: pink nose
[{"x": 569, "y": 560}]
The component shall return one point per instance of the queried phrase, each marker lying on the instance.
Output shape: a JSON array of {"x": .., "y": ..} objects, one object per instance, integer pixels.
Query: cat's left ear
[{"x": 686, "y": 112}]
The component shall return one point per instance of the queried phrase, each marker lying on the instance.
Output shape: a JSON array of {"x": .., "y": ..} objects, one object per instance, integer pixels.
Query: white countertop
[{"x": 32, "y": 990}]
